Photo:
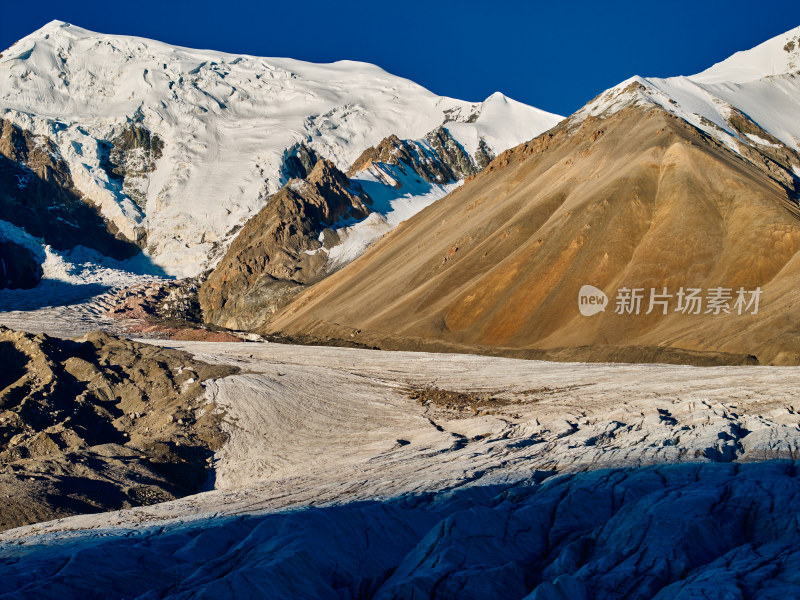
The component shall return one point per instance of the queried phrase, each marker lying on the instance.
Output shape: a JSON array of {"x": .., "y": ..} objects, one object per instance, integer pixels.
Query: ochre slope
[
  {"x": 273, "y": 256},
  {"x": 638, "y": 199}
]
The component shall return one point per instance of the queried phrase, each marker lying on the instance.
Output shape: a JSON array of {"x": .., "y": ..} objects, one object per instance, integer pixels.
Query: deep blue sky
[{"x": 554, "y": 55}]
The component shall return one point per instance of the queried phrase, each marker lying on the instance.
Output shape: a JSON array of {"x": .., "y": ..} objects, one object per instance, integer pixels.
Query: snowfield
[
  {"x": 226, "y": 122},
  {"x": 391, "y": 207}
]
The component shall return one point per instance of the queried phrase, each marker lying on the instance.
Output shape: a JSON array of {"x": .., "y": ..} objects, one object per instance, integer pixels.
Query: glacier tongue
[
  {"x": 667, "y": 532},
  {"x": 225, "y": 122},
  {"x": 337, "y": 483}
]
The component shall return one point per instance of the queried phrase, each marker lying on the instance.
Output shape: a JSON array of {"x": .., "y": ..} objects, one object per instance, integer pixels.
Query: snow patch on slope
[{"x": 391, "y": 207}]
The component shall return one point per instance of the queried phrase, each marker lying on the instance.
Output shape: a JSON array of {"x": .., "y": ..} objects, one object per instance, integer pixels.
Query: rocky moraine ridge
[{"x": 98, "y": 424}]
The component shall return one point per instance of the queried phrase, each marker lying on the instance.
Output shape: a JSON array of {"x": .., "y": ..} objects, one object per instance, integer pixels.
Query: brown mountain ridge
[
  {"x": 283, "y": 249},
  {"x": 637, "y": 199}
]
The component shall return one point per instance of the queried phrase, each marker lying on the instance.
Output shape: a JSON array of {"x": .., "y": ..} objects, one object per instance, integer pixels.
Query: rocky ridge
[
  {"x": 265, "y": 267},
  {"x": 98, "y": 424},
  {"x": 273, "y": 256},
  {"x": 437, "y": 158},
  {"x": 38, "y": 194}
]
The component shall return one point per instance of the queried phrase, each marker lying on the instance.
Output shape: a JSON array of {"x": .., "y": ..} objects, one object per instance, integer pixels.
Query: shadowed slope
[
  {"x": 681, "y": 531},
  {"x": 38, "y": 194}
]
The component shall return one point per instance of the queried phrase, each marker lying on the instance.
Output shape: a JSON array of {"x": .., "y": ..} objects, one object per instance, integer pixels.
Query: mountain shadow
[{"x": 666, "y": 531}]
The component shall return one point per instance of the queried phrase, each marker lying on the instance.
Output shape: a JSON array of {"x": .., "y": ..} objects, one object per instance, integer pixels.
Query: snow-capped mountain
[
  {"x": 349, "y": 473},
  {"x": 777, "y": 56},
  {"x": 657, "y": 184},
  {"x": 180, "y": 147},
  {"x": 752, "y": 99}
]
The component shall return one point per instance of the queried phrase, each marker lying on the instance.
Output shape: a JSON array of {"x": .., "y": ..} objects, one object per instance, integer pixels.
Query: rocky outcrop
[
  {"x": 275, "y": 255},
  {"x": 778, "y": 161},
  {"x": 18, "y": 267},
  {"x": 483, "y": 155},
  {"x": 439, "y": 158},
  {"x": 37, "y": 194},
  {"x": 165, "y": 301},
  {"x": 451, "y": 154},
  {"x": 636, "y": 199},
  {"x": 99, "y": 424},
  {"x": 298, "y": 162},
  {"x": 130, "y": 159}
]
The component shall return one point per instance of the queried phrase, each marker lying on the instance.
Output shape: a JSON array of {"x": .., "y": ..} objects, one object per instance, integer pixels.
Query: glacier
[{"x": 223, "y": 124}]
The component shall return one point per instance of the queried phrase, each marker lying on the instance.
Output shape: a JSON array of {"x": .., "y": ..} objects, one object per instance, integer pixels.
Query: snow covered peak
[
  {"x": 222, "y": 124},
  {"x": 51, "y": 28},
  {"x": 502, "y": 123},
  {"x": 759, "y": 89},
  {"x": 777, "y": 56},
  {"x": 497, "y": 97}
]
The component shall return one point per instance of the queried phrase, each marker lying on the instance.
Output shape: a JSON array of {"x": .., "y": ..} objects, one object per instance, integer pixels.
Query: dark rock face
[
  {"x": 18, "y": 268},
  {"x": 440, "y": 159},
  {"x": 451, "y": 154},
  {"x": 483, "y": 155},
  {"x": 269, "y": 261},
  {"x": 298, "y": 162},
  {"x": 130, "y": 158},
  {"x": 37, "y": 193}
]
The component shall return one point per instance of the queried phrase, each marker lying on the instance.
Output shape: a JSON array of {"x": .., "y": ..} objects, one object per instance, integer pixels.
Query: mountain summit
[
  {"x": 178, "y": 148},
  {"x": 777, "y": 56}
]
